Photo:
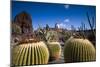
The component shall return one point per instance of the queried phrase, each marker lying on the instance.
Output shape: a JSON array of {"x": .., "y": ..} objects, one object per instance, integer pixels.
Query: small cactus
[
  {"x": 51, "y": 36},
  {"x": 79, "y": 50},
  {"x": 53, "y": 45},
  {"x": 30, "y": 54},
  {"x": 55, "y": 50},
  {"x": 66, "y": 35}
]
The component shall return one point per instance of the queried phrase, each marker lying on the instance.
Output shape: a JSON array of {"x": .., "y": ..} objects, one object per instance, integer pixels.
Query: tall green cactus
[
  {"x": 30, "y": 54},
  {"x": 55, "y": 50},
  {"x": 92, "y": 24},
  {"x": 79, "y": 50},
  {"x": 82, "y": 30}
]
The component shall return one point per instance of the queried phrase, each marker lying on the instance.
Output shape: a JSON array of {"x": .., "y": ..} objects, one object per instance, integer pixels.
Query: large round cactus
[
  {"x": 30, "y": 54},
  {"x": 79, "y": 50},
  {"x": 55, "y": 50}
]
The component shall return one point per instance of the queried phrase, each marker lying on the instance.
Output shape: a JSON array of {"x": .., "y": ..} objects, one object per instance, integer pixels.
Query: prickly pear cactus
[
  {"x": 55, "y": 50},
  {"x": 79, "y": 50},
  {"x": 30, "y": 54}
]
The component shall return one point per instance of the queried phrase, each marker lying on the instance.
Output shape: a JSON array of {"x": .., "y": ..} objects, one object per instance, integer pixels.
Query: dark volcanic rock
[
  {"x": 21, "y": 26},
  {"x": 24, "y": 20}
]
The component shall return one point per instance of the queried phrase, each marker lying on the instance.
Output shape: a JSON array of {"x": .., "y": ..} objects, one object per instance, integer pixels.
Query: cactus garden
[{"x": 46, "y": 33}]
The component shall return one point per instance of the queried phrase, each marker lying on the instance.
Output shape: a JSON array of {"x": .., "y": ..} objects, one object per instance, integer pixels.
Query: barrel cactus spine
[
  {"x": 30, "y": 54},
  {"x": 79, "y": 50}
]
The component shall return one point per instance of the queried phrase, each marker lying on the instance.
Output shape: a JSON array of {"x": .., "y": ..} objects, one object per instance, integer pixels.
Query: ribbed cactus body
[
  {"x": 55, "y": 50},
  {"x": 79, "y": 50},
  {"x": 30, "y": 54}
]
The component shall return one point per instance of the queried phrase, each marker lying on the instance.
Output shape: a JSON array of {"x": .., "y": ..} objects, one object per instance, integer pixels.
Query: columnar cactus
[
  {"x": 30, "y": 54},
  {"x": 55, "y": 50},
  {"x": 79, "y": 50}
]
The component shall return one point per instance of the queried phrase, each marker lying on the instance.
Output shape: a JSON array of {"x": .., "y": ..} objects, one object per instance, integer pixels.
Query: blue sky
[{"x": 46, "y": 13}]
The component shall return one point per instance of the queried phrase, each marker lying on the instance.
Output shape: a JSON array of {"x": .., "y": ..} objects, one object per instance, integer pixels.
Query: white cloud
[
  {"x": 66, "y": 20},
  {"x": 61, "y": 25},
  {"x": 66, "y": 6},
  {"x": 64, "y": 23}
]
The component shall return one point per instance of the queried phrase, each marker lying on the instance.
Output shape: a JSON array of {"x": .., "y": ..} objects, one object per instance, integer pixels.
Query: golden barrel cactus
[
  {"x": 55, "y": 50},
  {"x": 30, "y": 54},
  {"x": 79, "y": 50}
]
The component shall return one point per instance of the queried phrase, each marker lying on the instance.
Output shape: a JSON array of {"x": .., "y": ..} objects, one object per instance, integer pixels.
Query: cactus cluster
[
  {"x": 30, "y": 54},
  {"x": 55, "y": 50},
  {"x": 52, "y": 36},
  {"x": 79, "y": 50},
  {"x": 53, "y": 45},
  {"x": 66, "y": 35}
]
